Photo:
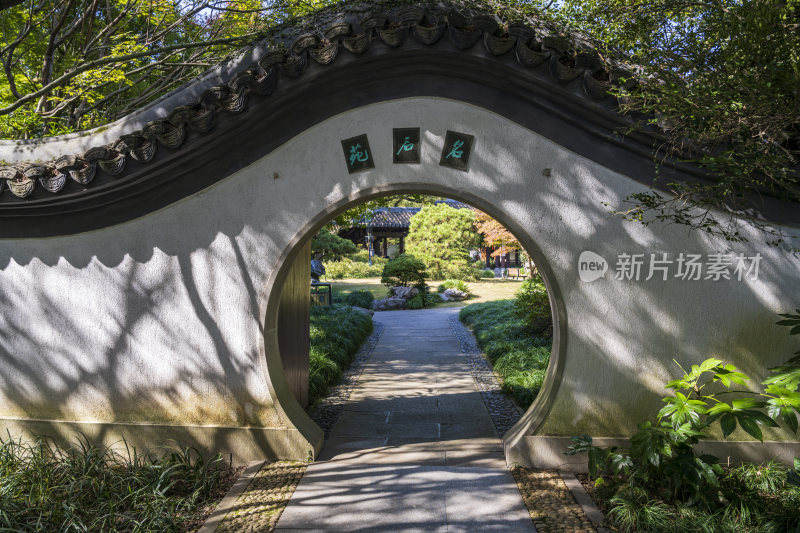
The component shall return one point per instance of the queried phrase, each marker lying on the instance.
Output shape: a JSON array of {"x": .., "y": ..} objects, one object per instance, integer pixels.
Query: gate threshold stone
[{"x": 414, "y": 448}]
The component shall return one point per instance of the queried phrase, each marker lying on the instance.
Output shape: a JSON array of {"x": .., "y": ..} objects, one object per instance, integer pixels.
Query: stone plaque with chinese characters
[
  {"x": 456, "y": 151},
  {"x": 406, "y": 145},
  {"x": 357, "y": 154}
]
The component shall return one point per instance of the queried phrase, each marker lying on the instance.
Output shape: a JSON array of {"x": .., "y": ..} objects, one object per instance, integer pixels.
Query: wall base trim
[
  {"x": 242, "y": 444},
  {"x": 539, "y": 451}
]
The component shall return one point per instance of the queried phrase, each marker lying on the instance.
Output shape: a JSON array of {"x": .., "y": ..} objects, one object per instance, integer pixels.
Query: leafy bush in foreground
[
  {"x": 44, "y": 487},
  {"x": 518, "y": 357},
  {"x": 661, "y": 481},
  {"x": 336, "y": 335}
]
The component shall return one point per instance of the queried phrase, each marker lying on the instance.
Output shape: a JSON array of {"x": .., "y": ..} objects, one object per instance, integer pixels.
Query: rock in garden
[
  {"x": 369, "y": 312},
  {"x": 406, "y": 293},
  {"x": 455, "y": 295},
  {"x": 388, "y": 304}
]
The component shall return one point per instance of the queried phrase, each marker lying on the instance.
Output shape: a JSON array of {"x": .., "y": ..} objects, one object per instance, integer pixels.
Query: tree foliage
[
  {"x": 332, "y": 247},
  {"x": 405, "y": 270},
  {"x": 70, "y": 65},
  {"x": 495, "y": 234},
  {"x": 441, "y": 237},
  {"x": 720, "y": 80}
]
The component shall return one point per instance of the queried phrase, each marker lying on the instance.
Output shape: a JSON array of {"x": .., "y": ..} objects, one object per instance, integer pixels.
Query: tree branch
[{"x": 108, "y": 60}]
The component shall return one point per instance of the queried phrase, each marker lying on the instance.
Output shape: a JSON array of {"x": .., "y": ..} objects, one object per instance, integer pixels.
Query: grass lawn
[{"x": 486, "y": 290}]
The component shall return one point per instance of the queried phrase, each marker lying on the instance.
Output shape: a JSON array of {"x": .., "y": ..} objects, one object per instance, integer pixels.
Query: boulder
[
  {"x": 406, "y": 293},
  {"x": 388, "y": 304},
  {"x": 369, "y": 312},
  {"x": 455, "y": 295}
]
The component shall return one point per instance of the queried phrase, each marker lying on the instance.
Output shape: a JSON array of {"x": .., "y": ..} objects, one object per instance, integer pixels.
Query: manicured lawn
[{"x": 482, "y": 291}]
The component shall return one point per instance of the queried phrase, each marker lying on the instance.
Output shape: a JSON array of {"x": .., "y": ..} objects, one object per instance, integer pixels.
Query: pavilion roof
[{"x": 400, "y": 217}]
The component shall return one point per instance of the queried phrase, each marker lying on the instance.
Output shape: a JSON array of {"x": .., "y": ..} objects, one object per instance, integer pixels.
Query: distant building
[{"x": 388, "y": 227}]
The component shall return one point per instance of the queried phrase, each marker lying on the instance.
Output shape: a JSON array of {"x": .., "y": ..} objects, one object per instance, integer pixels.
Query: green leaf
[
  {"x": 760, "y": 418},
  {"x": 728, "y": 424},
  {"x": 744, "y": 403},
  {"x": 708, "y": 364},
  {"x": 789, "y": 418},
  {"x": 750, "y": 426},
  {"x": 719, "y": 408},
  {"x": 792, "y": 477}
]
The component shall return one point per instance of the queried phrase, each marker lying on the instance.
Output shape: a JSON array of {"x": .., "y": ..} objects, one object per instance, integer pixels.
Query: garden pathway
[{"x": 415, "y": 448}]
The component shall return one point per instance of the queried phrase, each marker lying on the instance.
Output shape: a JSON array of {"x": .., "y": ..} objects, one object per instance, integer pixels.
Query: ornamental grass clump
[
  {"x": 453, "y": 284},
  {"x": 87, "y": 487},
  {"x": 519, "y": 357},
  {"x": 336, "y": 336},
  {"x": 360, "y": 298},
  {"x": 532, "y": 305}
]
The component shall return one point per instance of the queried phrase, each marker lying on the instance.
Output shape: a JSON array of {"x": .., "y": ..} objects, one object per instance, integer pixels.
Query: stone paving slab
[{"x": 414, "y": 448}]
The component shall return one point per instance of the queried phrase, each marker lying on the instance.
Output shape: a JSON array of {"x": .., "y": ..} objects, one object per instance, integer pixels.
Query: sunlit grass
[{"x": 485, "y": 290}]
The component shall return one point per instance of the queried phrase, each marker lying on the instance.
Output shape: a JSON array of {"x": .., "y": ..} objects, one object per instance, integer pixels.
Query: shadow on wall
[{"x": 159, "y": 320}]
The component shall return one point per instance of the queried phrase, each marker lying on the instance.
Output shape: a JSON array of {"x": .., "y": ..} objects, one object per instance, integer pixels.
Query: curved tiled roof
[
  {"x": 392, "y": 217},
  {"x": 530, "y": 45},
  {"x": 400, "y": 217}
]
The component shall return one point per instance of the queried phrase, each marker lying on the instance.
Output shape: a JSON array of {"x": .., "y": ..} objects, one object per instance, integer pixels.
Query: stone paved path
[{"x": 415, "y": 448}]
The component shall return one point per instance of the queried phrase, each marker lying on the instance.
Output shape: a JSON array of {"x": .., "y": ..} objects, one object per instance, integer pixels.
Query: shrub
[
  {"x": 336, "y": 334},
  {"x": 347, "y": 268},
  {"x": 360, "y": 298},
  {"x": 462, "y": 272},
  {"x": 416, "y": 302},
  {"x": 661, "y": 464},
  {"x": 441, "y": 237},
  {"x": 453, "y": 284},
  {"x": 519, "y": 358},
  {"x": 486, "y": 273},
  {"x": 404, "y": 271},
  {"x": 362, "y": 256},
  {"x": 533, "y": 306}
]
